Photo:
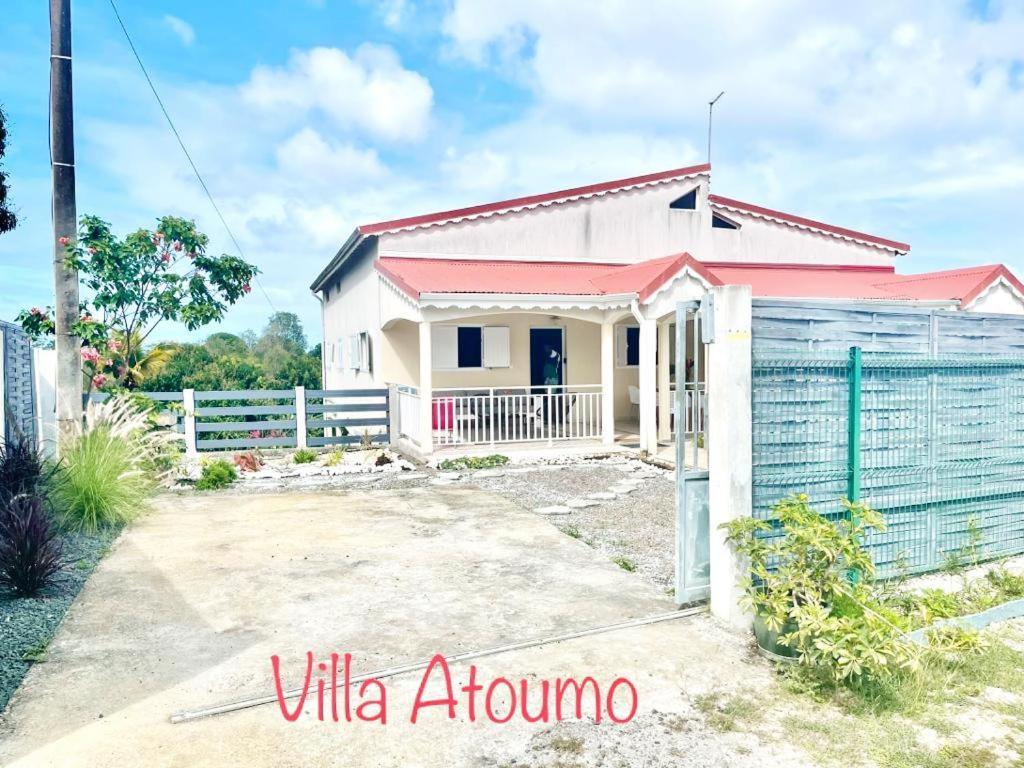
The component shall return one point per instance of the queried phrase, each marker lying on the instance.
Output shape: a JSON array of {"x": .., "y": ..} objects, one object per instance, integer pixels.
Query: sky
[{"x": 308, "y": 117}]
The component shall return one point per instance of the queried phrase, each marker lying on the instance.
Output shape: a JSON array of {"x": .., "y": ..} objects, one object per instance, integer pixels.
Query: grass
[
  {"x": 572, "y": 531},
  {"x": 624, "y": 563},
  {"x": 474, "y": 462},
  {"x": 99, "y": 484},
  {"x": 884, "y": 725},
  {"x": 726, "y": 713},
  {"x": 569, "y": 745}
]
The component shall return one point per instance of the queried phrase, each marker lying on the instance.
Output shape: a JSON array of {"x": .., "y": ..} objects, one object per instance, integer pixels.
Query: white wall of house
[
  {"x": 763, "y": 241},
  {"x": 352, "y": 307},
  {"x": 619, "y": 227}
]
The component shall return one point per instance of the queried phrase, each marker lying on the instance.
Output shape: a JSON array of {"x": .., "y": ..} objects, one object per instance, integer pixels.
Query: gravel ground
[
  {"x": 27, "y": 624},
  {"x": 638, "y": 528}
]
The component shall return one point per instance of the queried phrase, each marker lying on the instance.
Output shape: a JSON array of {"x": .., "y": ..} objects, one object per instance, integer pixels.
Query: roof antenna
[{"x": 711, "y": 107}]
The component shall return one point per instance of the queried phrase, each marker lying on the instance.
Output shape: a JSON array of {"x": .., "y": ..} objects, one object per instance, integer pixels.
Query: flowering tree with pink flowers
[{"x": 136, "y": 283}]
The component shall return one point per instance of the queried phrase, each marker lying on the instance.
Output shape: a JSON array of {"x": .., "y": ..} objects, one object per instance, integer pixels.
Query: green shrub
[
  {"x": 304, "y": 456},
  {"x": 216, "y": 474},
  {"x": 816, "y": 572},
  {"x": 474, "y": 462},
  {"x": 101, "y": 483}
]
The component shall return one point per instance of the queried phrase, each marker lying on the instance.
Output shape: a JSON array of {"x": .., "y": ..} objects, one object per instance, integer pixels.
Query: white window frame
[{"x": 621, "y": 336}]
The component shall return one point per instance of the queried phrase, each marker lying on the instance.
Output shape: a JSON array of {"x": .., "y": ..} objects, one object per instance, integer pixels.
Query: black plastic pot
[{"x": 768, "y": 644}]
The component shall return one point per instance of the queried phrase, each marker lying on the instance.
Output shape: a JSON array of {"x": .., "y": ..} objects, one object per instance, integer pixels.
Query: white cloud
[
  {"x": 369, "y": 91},
  {"x": 181, "y": 28},
  {"x": 310, "y": 160}
]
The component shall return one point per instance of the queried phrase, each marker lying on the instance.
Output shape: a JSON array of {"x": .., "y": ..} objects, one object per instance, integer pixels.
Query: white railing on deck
[
  {"x": 409, "y": 413},
  {"x": 490, "y": 416},
  {"x": 695, "y": 403}
]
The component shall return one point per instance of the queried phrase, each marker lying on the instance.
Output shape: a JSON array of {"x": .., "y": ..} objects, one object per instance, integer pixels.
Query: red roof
[
  {"x": 417, "y": 276},
  {"x": 526, "y": 202},
  {"x": 800, "y": 221},
  {"x": 561, "y": 278}
]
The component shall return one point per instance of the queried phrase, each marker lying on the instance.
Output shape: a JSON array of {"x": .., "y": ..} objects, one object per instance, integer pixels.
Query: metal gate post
[{"x": 854, "y": 368}]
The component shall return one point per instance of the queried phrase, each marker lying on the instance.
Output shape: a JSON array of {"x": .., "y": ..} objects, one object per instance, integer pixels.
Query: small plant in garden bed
[
  {"x": 31, "y": 553},
  {"x": 250, "y": 461},
  {"x": 304, "y": 456},
  {"x": 474, "y": 462},
  {"x": 216, "y": 474},
  {"x": 624, "y": 563},
  {"x": 334, "y": 458}
]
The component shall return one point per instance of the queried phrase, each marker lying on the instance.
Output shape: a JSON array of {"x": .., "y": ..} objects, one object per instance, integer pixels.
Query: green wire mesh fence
[{"x": 938, "y": 448}]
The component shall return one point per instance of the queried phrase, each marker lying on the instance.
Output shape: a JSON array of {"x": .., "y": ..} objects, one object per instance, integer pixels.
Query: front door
[{"x": 547, "y": 365}]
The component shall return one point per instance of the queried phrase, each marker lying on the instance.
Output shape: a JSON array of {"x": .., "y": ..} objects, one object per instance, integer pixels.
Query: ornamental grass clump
[
  {"x": 108, "y": 472},
  {"x": 811, "y": 578},
  {"x": 23, "y": 468},
  {"x": 31, "y": 552}
]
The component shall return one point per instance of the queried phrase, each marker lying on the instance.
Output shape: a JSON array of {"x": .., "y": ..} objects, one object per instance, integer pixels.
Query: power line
[{"x": 184, "y": 149}]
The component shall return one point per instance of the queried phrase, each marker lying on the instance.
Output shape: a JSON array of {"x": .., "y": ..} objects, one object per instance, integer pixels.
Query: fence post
[
  {"x": 394, "y": 414},
  {"x": 300, "y": 417},
  {"x": 853, "y": 378},
  {"x": 188, "y": 402}
]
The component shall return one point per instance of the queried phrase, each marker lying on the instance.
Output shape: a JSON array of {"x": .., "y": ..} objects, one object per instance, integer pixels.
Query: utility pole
[
  {"x": 711, "y": 107},
  {"x": 62, "y": 159}
]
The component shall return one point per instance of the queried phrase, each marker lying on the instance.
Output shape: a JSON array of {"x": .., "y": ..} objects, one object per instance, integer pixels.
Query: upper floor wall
[{"x": 626, "y": 226}]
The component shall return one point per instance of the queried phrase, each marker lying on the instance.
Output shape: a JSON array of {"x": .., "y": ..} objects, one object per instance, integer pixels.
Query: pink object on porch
[{"x": 443, "y": 414}]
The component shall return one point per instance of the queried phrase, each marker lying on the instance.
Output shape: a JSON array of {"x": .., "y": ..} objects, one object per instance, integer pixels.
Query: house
[{"x": 551, "y": 317}]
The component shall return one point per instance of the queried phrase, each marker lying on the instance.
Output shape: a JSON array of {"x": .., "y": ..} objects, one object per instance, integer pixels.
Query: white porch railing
[
  {"x": 695, "y": 403},
  {"x": 490, "y": 416},
  {"x": 409, "y": 413}
]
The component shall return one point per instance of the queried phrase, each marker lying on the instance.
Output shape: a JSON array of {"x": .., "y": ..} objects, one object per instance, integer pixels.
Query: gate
[{"x": 691, "y": 434}]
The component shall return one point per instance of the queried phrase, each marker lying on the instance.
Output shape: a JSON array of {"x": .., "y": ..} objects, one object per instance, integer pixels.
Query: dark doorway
[{"x": 547, "y": 364}]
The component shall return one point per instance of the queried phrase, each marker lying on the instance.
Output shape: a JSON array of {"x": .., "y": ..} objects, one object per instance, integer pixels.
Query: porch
[{"x": 562, "y": 420}]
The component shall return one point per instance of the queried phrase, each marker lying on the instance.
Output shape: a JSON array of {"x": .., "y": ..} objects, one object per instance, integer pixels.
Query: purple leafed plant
[{"x": 31, "y": 552}]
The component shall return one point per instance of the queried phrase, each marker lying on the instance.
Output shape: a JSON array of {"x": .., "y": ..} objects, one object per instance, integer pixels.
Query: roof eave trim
[
  {"x": 348, "y": 247},
  {"x": 868, "y": 240},
  {"x": 527, "y": 203},
  {"x": 1002, "y": 276}
]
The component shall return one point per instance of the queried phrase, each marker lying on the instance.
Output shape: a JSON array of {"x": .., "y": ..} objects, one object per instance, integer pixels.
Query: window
[
  {"x": 340, "y": 358},
  {"x": 687, "y": 202},
  {"x": 470, "y": 346},
  {"x": 627, "y": 346},
  {"x": 720, "y": 222}
]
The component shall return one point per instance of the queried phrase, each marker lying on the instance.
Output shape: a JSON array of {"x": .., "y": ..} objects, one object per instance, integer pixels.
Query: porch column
[
  {"x": 664, "y": 381},
  {"x": 426, "y": 430},
  {"x": 730, "y": 482},
  {"x": 608, "y": 383},
  {"x": 648, "y": 385}
]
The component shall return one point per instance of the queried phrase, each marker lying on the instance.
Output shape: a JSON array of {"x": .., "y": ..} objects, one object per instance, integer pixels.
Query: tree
[
  {"x": 284, "y": 328},
  {"x": 223, "y": 344},
  {"x": 8, "y": 220},
  {"x": 137, "y": 283}
]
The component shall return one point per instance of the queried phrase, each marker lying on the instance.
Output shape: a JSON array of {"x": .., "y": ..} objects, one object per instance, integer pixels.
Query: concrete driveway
[{"x": 194, "y": 599}]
